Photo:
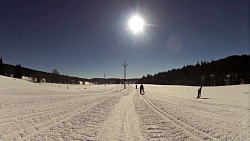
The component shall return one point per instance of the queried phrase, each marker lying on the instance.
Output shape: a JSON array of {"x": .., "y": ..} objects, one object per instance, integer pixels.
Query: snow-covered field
[{"x": 31, "y": 111}]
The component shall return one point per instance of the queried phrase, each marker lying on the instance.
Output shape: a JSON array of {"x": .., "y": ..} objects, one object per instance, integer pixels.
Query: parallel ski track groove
[
  {"x": 74, "y": 110},
  {"x": 187, "y": 128},
  {"x": 204, "y": 111},
  {"x": 94, "y": 117},
  {"x": 53, "y": 110},
  {"x": 28, "y": 115},
  {"x": 50, "y": 122},
  {"x": 213, "y": 104}
]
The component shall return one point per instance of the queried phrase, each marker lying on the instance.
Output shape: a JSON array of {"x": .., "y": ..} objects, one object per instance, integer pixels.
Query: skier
[
  {"x": 141, "y": 89},
  {"x": 135, "y": 86},
  {"x": 199, "y": 92}
]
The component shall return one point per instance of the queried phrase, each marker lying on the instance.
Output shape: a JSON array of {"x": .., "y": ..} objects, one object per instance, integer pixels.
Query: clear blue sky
[{"x": 88, "y": 38}]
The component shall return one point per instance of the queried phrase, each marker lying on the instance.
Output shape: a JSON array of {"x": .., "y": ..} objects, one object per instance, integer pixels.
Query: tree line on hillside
[
  {"x": 112, "y": 81},
  {"x": 228, "y": 71},
  {"x": 17, "y": 70},
  {"x": 38, "y": 76}
]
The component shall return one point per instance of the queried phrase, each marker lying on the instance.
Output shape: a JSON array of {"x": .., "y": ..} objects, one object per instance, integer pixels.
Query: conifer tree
[
  {"x": 18, "y": 71},
  {"x": 2, "y": 71}
]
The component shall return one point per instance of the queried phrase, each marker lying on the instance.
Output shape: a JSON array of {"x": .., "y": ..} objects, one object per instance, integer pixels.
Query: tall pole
[
  {"x": 104, "y": 79},
  {"x": 124, "y": 65}
]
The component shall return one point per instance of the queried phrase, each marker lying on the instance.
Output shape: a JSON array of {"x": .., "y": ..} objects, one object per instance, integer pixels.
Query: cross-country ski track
[{"x": 37, "y": 112}]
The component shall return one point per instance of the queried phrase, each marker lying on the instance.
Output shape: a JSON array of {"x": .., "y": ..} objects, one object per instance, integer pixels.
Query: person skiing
[
  {"x": 199, "y": 92},
  {"x": 135, "y": 86},
  {"x": 141, "y": 89}
]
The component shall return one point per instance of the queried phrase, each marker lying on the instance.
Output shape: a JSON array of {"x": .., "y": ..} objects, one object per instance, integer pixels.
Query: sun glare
[{"x": 136, "y": 24}]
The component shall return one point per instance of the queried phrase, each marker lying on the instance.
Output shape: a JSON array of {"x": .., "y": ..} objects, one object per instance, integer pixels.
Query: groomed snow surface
[{"x": 37, "y": 112}]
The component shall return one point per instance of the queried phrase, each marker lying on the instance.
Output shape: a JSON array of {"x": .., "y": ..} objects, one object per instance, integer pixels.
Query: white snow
[{"x": 33, "y": 111}]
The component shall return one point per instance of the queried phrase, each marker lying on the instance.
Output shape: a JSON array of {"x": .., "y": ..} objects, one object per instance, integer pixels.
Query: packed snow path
[{"x": 52, "y": 112}]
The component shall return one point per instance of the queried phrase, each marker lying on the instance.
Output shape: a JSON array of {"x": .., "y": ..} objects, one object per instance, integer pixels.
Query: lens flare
[{"x": 136, "y": 24}]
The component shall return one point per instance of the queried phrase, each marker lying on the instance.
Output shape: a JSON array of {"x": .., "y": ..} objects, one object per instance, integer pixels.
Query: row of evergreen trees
[
  {"x": 2, "y": 71},
  {"x": 38, "y": 76},
  {"x": 229, "y": 71},
  {"x": 17, "y": 70}
]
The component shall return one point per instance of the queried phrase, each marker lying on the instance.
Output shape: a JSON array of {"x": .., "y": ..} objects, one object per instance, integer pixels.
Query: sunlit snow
[{"x": 33, "y": 111}]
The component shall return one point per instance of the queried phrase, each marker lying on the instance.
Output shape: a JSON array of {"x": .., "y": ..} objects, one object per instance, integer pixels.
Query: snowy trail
[
  {"x": 156, "y": 126},
  {"x": 32, "y": 114},
  {"x": 185, "y": 127},
  {"x": 122, "y": 123},
  {"x": 30, "y": 124},
  {"x": 35, "y": 129},
  {"x": 216, "y": 119},
  {"x": 40, "y": 112},
  {"x": 82, "y": 124}
]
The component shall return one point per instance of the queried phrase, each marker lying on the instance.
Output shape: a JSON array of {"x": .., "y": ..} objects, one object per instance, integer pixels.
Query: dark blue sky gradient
[{"x": 88, "y": 38}]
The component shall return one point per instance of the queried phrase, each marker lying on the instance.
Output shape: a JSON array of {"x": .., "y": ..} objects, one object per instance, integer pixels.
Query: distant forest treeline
[
  {"x": 38, "y": 76},
  {"x": 228, "y": 71}
]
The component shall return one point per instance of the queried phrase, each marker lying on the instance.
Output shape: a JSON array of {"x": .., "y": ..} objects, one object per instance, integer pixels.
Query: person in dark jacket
[
  {"x": 199, "y": 92},
  {"x": 141, "y": 89}
]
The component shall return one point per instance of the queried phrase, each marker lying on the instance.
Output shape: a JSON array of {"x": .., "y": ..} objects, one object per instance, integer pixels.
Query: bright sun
[{"x": 136, "y": 24}]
